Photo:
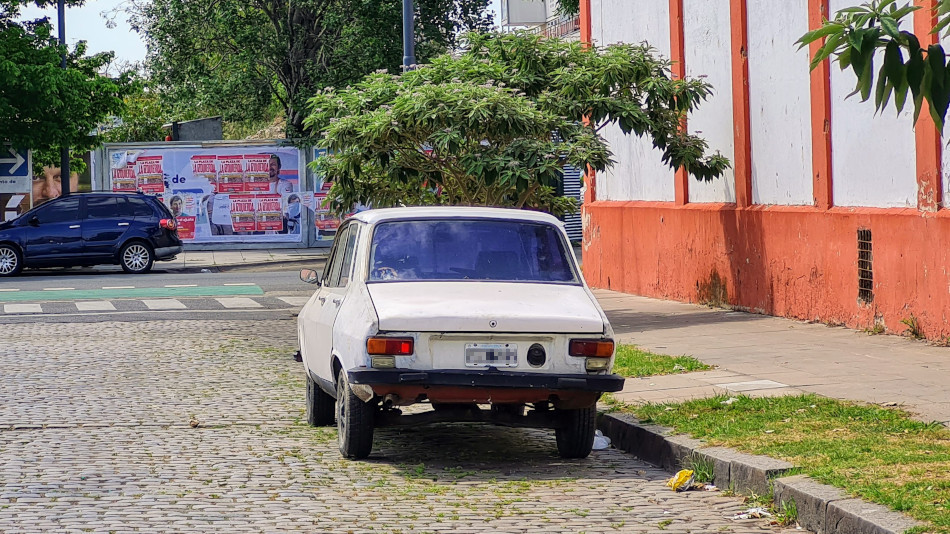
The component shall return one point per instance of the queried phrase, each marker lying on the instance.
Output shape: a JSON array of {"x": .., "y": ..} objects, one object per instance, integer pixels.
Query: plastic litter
[
  {"x": 681, "y": 481},
  {"x": 206, "y": 270},
  {"x": 678, "y": 367},
  {"x": 753, "y": 513},
  {"x": 601, "y": 441},
  {"x": 730, "y": 400}
]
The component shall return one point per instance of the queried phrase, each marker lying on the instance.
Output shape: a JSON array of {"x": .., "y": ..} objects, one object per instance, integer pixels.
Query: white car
[{"x": 455, "y": 307}]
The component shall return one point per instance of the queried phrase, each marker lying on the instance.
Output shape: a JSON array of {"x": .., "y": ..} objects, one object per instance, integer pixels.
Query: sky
[{"x": 87, "y": 23}]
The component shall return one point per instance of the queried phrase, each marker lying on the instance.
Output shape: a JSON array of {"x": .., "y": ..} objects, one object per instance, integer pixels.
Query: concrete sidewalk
[
  {"x": 759, "y": 355},
  {"x": 198, "y": 259}
]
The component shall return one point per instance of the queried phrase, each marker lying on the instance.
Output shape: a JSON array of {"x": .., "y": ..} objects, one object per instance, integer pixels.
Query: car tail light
[
  {"x": 391, "y": 346},
  {"x": 168, "y": 224},
  {"x": 598, "y": 348}
]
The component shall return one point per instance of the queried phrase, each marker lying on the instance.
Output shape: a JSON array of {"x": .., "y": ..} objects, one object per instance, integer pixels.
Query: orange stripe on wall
[
  {"x": 929, "y": 186},
  {"x": 678, "y": 56},
  {"x": 820, "y": 113},
  {"x": 742, "y": 163}
]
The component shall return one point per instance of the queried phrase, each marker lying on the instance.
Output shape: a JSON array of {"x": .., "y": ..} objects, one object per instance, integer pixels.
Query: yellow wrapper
[{"x": 681, "y": 481}]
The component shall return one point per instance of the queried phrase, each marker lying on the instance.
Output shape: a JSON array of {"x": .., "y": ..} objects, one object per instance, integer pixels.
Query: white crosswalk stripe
[
  {"x": 238, "y": 302},
  {"x": 95, "y": 305},
  {"x": 294, "y": 301},
  {"x": 164, "y": 304},
  {"x": 22, "y": 308}
]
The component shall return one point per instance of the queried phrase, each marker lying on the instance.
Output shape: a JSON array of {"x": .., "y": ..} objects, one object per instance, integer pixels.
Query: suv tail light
[
  {"x": 390, "y": 346},
  {"x": 168, "y": 224},
  {"x": 597, "y": 348}
]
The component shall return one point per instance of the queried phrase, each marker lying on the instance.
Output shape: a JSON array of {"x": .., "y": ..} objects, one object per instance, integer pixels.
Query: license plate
[{"x": 491, "y": 355}]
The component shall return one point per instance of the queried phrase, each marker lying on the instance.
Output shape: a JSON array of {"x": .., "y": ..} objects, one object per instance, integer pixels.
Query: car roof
[{"x": 448, "y": 212}]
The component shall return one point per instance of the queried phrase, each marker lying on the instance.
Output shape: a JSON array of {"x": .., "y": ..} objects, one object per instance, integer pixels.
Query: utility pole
[
  {"x": 408, "y": 35},
  {"x": 64, "y": 154}
]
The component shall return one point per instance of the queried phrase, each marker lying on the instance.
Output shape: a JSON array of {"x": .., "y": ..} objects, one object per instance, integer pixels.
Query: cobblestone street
[{"x": 97, "y": 434}]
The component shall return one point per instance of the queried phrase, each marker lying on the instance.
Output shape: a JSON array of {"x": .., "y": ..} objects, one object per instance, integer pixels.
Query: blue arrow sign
[
  {"x": 14, "y": 163},
  {"x": 16, "y": 170}
]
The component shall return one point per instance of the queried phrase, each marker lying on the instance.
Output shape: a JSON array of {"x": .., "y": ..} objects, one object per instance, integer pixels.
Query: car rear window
[{"x": 494, "y": 250}]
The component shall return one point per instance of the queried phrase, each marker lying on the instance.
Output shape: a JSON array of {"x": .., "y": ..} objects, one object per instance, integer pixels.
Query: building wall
[{"x": 780, "y": 235}]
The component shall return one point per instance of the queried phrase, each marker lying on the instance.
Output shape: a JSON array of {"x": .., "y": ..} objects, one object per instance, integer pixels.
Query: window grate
[{"x": 865, "y": 266}]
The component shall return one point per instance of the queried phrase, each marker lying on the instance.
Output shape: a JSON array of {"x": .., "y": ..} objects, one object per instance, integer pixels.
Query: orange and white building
[{"x": 829, "y": 212}]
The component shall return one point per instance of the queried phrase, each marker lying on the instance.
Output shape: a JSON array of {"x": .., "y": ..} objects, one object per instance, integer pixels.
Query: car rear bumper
[
  {"x": 167, "y": 253},
  {"x": 486, "y": 379}
]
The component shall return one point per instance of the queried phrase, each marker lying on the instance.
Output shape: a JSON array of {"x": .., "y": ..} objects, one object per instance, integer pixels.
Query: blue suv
[{"x": 128, "y": 229}]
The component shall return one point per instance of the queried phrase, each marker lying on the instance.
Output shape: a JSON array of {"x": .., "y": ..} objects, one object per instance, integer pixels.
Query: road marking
[
  {"x": 164, "y": 304},
  {"x": 134, "y": 293},
  {"x": 95, "y": 305},
  {"x": 118, "y": 287},
  {"x": 241, "y": 284},
  {"x": 182, "y": 285},
  {"x": 58, "y": 288},
  {"x": 295, "y": 301},
  {"x": 239, "y": 302},
  {"x": 22, "y": 308},
  {"x": 9, "y": 289}
]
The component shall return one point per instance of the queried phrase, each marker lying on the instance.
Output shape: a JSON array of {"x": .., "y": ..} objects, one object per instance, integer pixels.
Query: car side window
[
  {"x": 140, "y": 208},
  {"x": 101, "y": 208},
  {"x": 348, "y": 255},
  {"x": 64, "y": 210},
  {"x": 331, "y": 275},
  {"x": 123, "y": 208}
]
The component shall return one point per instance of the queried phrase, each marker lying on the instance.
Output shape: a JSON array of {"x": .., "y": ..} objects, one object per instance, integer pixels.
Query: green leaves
[
  {"x": 481, "y": 126},
  {"x": 855, "y": 38}
]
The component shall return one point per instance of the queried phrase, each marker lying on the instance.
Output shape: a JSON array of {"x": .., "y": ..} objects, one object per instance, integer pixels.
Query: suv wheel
[
  {"x": 11, "y": 261},
  {"x": 575, "y": 434},
  {"x": 136, "y": 257},
  {"x": 320, "y": 405},
  {"x": 354, "y": 420}
]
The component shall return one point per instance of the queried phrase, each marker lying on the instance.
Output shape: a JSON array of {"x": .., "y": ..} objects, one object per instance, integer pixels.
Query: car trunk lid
[{"x": 485, "y": 307}]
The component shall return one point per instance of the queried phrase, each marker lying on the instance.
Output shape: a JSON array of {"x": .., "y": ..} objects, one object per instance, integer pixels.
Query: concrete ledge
[{"x": 822, "y": 509}]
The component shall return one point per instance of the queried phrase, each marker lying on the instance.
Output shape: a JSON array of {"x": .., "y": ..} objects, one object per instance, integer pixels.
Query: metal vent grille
[{"x": 865, "y": 266}]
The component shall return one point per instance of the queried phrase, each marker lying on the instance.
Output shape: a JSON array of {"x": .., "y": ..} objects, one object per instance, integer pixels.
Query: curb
[{"x": 821, "y": 508}]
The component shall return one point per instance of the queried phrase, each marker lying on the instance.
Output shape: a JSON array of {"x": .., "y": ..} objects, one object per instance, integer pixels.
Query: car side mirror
[
  {"x": 310, "y": 276},
  {"x": 34, "y": 221}
]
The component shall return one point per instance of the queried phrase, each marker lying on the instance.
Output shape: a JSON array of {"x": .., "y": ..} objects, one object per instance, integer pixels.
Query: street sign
[{"x": 16, "y": 169}]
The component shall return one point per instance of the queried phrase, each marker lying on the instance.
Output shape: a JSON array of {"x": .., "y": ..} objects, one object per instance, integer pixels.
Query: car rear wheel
[
  {"x": 354, "y": 421},
  {"x": 321, "y": 406},
  {"x": 575, "y": 434},
  {"x": 11, "y": 261},
  {"x": 136, "y": 257}
]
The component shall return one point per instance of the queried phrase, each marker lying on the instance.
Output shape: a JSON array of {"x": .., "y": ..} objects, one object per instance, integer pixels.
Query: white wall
[
  {"x": 873, "y": 157},
  {"x": 639, "y": 173},
  {"x": 945, "y": 148},
  {"x": 708, "y": 43},
  {"x": 779, "y": 103}
]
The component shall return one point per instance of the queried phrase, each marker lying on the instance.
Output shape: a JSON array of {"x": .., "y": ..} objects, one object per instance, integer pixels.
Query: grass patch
[
  {"x": 631, "y": 361},
  {"x": 879, "y": 454}
]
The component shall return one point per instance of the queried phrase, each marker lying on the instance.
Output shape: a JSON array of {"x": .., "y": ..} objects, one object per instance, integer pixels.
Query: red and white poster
[
  {"x": 231, "y": 174},
  {"x": 124, "y": 179},
  {"x": 257, "y": 175},
  {"x": 204, "y": 166},
  {"x": 186, "y": 227},
  {"x": 243, "y": 218},
  {"x": 150, "y": 175},
  {"x": 269, "y": 213}
]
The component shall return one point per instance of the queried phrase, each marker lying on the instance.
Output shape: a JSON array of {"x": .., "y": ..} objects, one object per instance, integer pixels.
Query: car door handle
[
  {"x": 337, "y": 301},
  {"x": 74, "y": 226},
  {"x": 323, "y": 300},
  {"x": 123, "y": 224}
]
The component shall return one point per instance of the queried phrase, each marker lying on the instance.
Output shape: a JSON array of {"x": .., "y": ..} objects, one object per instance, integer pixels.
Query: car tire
[
  {"x": 354, "y": 421},
  {"x": 11, "y": 261},
  {"x": 575, "y": 434},
  {"x": 321, "y": 406},
  {"x": 136, "y": 257}
]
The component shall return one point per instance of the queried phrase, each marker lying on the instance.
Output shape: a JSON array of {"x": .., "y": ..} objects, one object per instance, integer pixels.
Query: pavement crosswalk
[{"x": 163, "y": 304}]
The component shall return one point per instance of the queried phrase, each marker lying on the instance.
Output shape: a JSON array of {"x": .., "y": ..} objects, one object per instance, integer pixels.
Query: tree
[
  {"x": 496, "y": 124},
  {"x": 857, "y": 34},
  {"x": 43, "y": 106},
  {"x": 236, "y": 57}
]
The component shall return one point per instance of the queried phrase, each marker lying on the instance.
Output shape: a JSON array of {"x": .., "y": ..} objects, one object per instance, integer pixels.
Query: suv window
[
  {"x": 60, "y": 210},
  {"x": 140, "y": 207},
  {"x": 101, "y": 208}
]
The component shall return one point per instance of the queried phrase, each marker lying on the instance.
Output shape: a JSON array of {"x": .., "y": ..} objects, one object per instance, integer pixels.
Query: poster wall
[{"x": 219, "y": 195}]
